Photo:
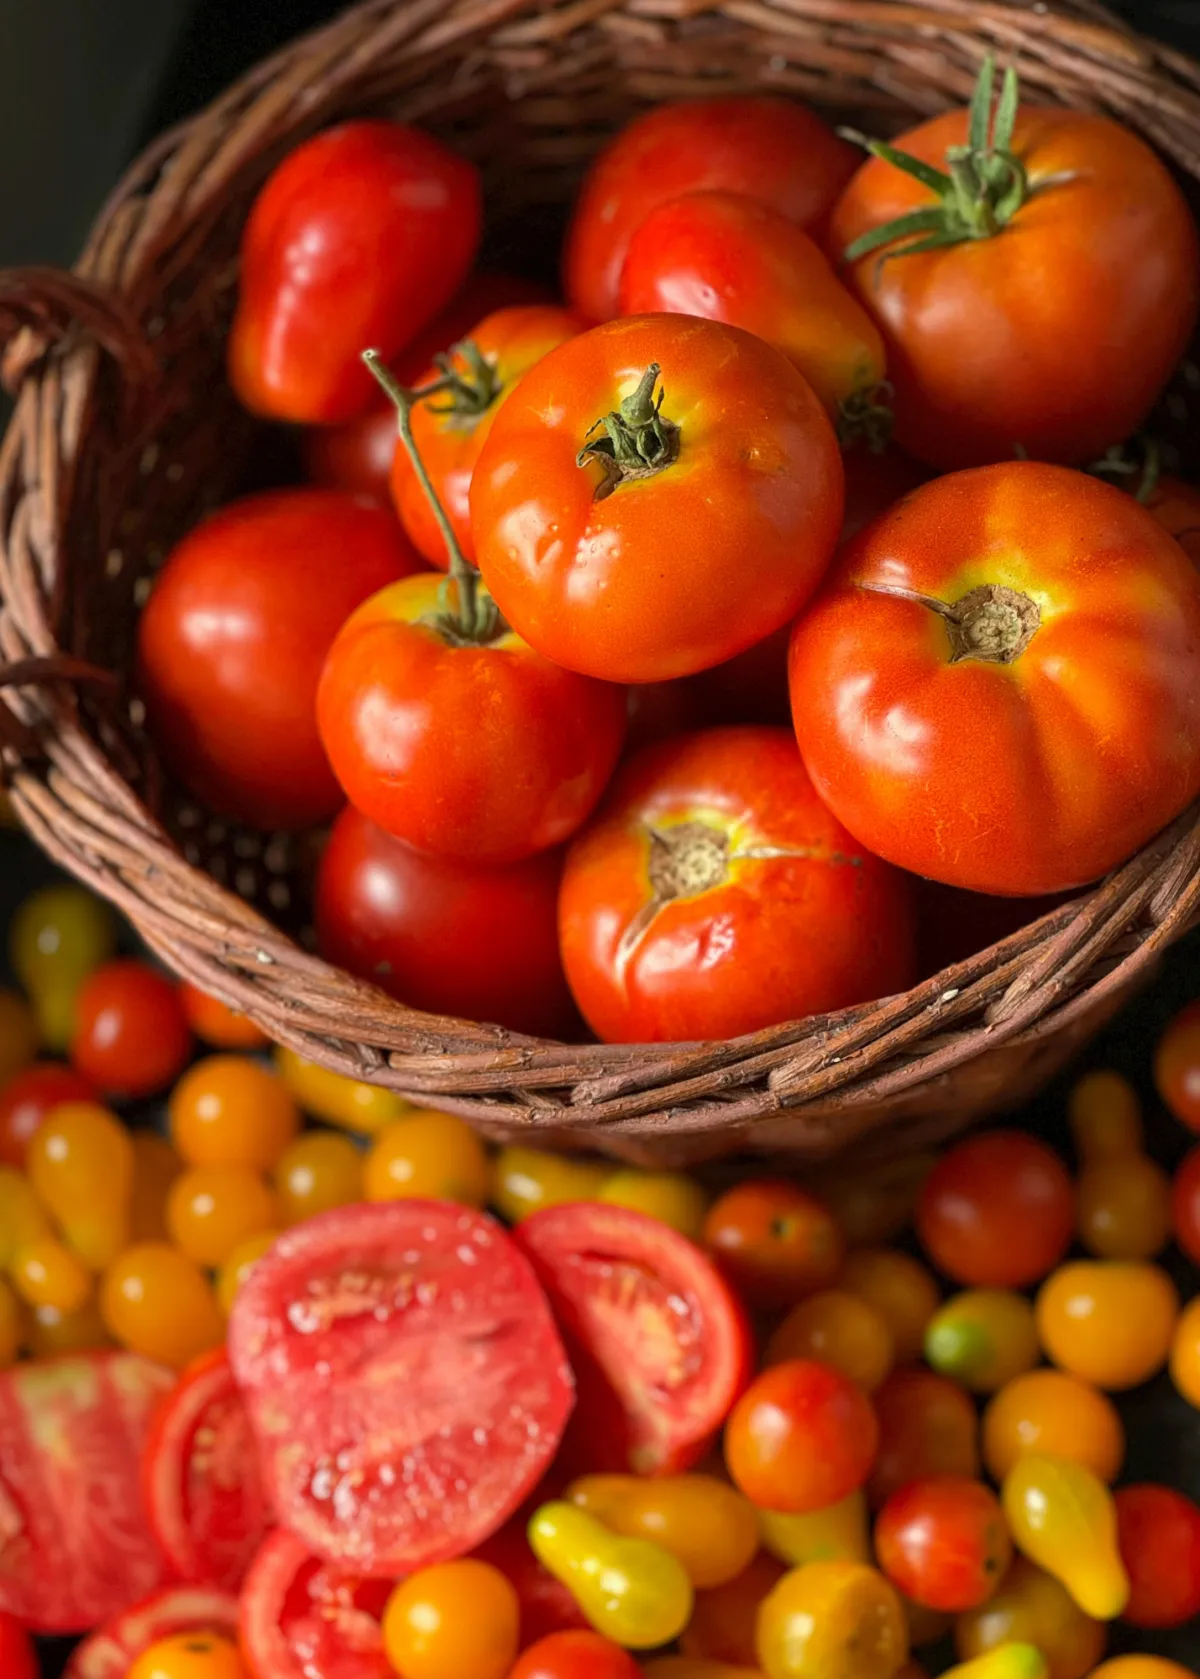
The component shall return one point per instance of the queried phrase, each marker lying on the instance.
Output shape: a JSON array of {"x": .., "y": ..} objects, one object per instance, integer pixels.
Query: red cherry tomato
[
  {"x": 1185, "y": 1204},
  {"x": 575, "y": 1655},
  {"x": 484, "y": 751},
  {"x": 546, "y": 1604},
  {"x": 17, "y": 1657},
  {"x": 742, "y": 459},
  {"x": 944, "y": 1543},
  {"x": 200, "y": 1476},
  {"x": 359, "y": 238},
  {"x": 28, "y": 1097},
  {"x": 77, "y": 1547},
  {"x": 476, "y": 942},
  {"x": 997, "y": 1211},
  {"x": 801, "y": 1437},
  {"x": 131, "y": 1034},
  {"x": 1158, "y": 1531},
  {"x": 659, "y": 1344},
  {"x": 927, "y": 1427},
  {"x": 772, "y": 149},
  {"x": 1177, "y": 1066},
  {"x": 946, "y": 638},
  {"x": 714, "y": 894},
  {"x": 233, "y": 637},
  {"x": 110, "y": 1651},
  {"x": 775, "y": 1243},
  {"x": 301, "y": 1617},
  {"x": 404, "y": 1380}
]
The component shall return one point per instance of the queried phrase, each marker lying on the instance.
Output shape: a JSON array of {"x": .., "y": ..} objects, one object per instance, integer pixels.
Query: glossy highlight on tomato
[
  {"x": 131, "y": 1035},
  {"x": 944, "y": 1542},
  {"x": 997, "y": 1211}
]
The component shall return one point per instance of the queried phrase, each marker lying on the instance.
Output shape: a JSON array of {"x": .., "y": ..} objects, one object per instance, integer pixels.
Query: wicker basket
[{"x": 122, "y": 436}]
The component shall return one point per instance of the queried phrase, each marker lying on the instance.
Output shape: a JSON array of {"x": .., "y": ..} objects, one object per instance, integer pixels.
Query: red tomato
[
  {"x": 875, "y": 481},
  {"x": 714, "y": 895},
  {"x": 775, "y": 1243},
  {"x": 1177, "y": 1066},
  {"x": 217, "y": 1024},
  {"x": 704, "y": 526},
  {"x": 928, "y": 1426},
  {"x": 17, "y": 1657},
  {"x": 404, "y": 1380},
  {"x": 944, "y": 1543},
  {"x": 658, "y": 1342},
  {"x": 800, "y": 1438},
  {"x": 233, "y": 637},
  {"x": 200, "y": 1476},
  {"x": 997, "y": 1211},
  {"x": 727, "y": 257},
  {"x": 76, "y": 1545},
  {"x": 359, "y": 238},
  {"x": 450, "y": 429},
  {"x": 476, "y": 942},
  {"x": 1158, "y": 1531},
  {"x": 1185, "y": 1205},
  {"x": 131, "y": 1034},
  {"x": 110, "y": 1651},
  {"x": 983, "y": 353},
  {"x": 28, "y": 1097},
  {"x": 480, "y": 750},
  {"x": 1022, "y": 618},
  {"x": 546, "y": 1604},
  {"x": 575, "y": 1655},
  {"x": 774, "y": 150},
  {"x": 301, "y": 1617}
]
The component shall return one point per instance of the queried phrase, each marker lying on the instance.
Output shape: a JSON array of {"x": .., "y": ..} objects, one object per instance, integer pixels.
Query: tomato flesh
[
  {"x": 113, "y": 1648},
  {"x": 301, "y": 1618}
]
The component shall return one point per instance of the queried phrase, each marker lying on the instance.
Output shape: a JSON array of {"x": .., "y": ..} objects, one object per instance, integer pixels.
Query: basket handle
[
  {"x": 35, "y": 672},
  {"x": 41, "y": 307}
]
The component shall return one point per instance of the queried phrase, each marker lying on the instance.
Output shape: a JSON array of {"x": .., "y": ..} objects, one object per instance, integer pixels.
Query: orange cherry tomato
[
  {"x": 191, "y": 1655},
  {"x": 155, "y": 1168},
  {"x": 832, "y": 1619},
  {"x": 801, "y": 1437},
  {"x": 775, "y": 1243},
  {"x": 1032, "y": 1607},
  {"x": 838, "y": 1329},
  {"x": 997, "y": 1211},
  {"x": 453, "y": 1619},
  {"x": 1108, "y": 1321},
  {"x": 1124, "y": 1207},
  {"x": 320, "y": 1170},
  {"x": 899, "y": 1288},
  {"x": 1141, "y": 1667},
  {"x": 26, "y": 1099},
  {"x": 157, "y": 1302},
  {"x": 47, "y": 1273},
  {"x": 1185, "y": 1353},
  {"x": 215, "y": 1023},
  {"x": 1057, "y": 1415},
  {"x": 240, "y": 1263},
  {"x": 80, "y": 1162},
  {"x": 927, "y": 1427},
  {"x": 724, "y": 1620},
  {"x": 1105, "y": 1113},
  {"x": 211, "y": 1210},
  {"x": 944, "y": 1542},
  {"x": 131, "y": 1034},
  {"x": 229, "y": 1110},
  {"x": 429, "y": 1155}
]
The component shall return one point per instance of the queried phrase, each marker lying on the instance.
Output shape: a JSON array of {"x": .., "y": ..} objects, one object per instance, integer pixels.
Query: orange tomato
[
  {"x": 1108, "y": 1321},
  {"x": 775, "y": 1243},
  {"x": 838, "y": 1329},
  {"x": 899, "y": 1288},
  {"x": 1056, "y": 1414}
]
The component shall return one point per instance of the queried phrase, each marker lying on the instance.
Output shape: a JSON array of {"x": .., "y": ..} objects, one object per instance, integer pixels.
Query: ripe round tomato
[
  {"x": 404, "y": 1380},
  {"x": 359, "y": 238},
  {"x": 131, "y": 1034},
  {"x": 927, "y": 1428},
  {"x": 944, "y": 1542},
  {"x": 452, "y": 1619},
  {"x": 77, "y": 1547},
  {"x": 200, "y": 1477},
  {"x": 575, "y": 1655},
  {"x": 637, "y": 532},
  {"x": 775, "y": 1243},
  {"x": 727, "y": 257},
  {"x": 800, "y": 1438},
  {"x": 230, "y": 1110},
  {"x": 1052, "y": 1414},
  {"x": 1185, "y": 1204},
  {"x": 233, "y": 637},
  {"x": 17, "y": 1657},
  {"x": 659, "y": 1344},
  {"x": 774, "y": 150},
  {"x": 28, "y": 1097},
  {"x": 929, "y": 681},
  {"x": 1108, "y": 1321},
  {"x": 477, "y": 942},
  {"x": 191, "y": 1655},
  {"x": 301, "y": 1616},
  {"x": 1177, "y": 1066},
  {"x": 714, "y": 894},
  {"x": 997, "y": 1211},
  {"x": 982, "y": 353},
  {"x": 479, "y": 750},
  {"x": 110, "y": 1651},
  {"x": 1158, "y": 1531}
]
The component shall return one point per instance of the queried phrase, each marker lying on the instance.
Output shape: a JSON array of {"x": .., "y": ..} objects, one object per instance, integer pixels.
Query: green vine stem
[
  {"x": 866, "y": 417},
  {"x": 638, "y": 440}
]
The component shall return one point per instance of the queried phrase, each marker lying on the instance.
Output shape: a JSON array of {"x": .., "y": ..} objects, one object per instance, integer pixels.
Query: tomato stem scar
[
  {"x": 639, "y": 440},
  {"x": 992, "y": 623}
]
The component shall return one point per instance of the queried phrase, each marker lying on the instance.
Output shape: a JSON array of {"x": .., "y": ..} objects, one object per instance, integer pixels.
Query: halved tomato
[
  {"x": 404, "y": 1378},
  {"x": 75, "y": 1545},
  {"x": 203, "y": 1490},
  {"x": 112, "y": 1650},
  {"x": 659, "y": 1343},
  {"x": 301, "y": 1618}
]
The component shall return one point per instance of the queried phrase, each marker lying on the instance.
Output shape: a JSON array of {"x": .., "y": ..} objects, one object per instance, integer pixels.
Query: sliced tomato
[
  {"x": 75, "y": 1544},
  {"x": 659, "y": 1343},
  {"x": 112, "y": 1650},
  {"x": 302, "y": 1618},
  {"x": 405, "y": 1380},
  {"x": 203, "y": 1490}
]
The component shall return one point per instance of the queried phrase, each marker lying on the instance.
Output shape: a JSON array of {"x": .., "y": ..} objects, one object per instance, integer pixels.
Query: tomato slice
[
  {"x": 302, "y": 1617},
  {"x": 112, "y": 1650},
  {"x": 200, "y": 1476},
  {"x": 75, "y": 1545},
  {"x": 659, "y": 1343},
  {"x": 405, "y": 1380}
]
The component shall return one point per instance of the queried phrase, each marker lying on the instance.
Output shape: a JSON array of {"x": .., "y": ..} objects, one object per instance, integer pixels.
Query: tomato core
[
  {"x": 639, "y": 441},
  {"x": 992, "y": 623},
  {"x": 687, "y": 860}
]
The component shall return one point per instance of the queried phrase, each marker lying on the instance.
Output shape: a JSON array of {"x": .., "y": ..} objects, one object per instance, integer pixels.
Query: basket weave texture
[{"x": 122, "y": 436}]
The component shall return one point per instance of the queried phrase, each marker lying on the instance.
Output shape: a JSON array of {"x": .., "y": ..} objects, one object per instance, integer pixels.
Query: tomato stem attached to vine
[{"x": 639, "y": 440}]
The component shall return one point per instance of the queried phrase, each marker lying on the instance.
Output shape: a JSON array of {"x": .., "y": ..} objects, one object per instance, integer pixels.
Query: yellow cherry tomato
[
  {"x": 1032, "y": 1607},
  {"x": 837, "y": 1328},
  {"x": 350, "y": 1103},
  {"x": 239, "y": 1265},
  {"x": 1108, "y": 1321},
  {"x": 1123, "y": 1207},
  {"x": 1141, "y": 1667},
  {"x": 157, "y": 1302},
  {"x": 832, "y": 1620},
  {"x": 80, "y": 1162},
  {"x": 695, "y": 1667},
  {"x": 22, "y": 1216},
  {"x": 320, "y": 1170},
  {"x": 211, "y": 1210},
  {"x": 230, "y": 1110},
  {"x": 451, "y": 1620},
  {"x": 872, "y": 1203},
  {"x": 427, "y": 1154},
  {"x": 983, "y": 1338},
  {"x": 19, "y": 1034},
  {"x": 704, "y": 1522},
  {"x": 12, "y": 1326},
  {"x": 1185, "y": 1353},
  {"x": 1007, "y": 1661},
  {"x": 191, "y": 1655},
  {"x": 524, "y": 1180},
  {"x": 56, "y": 939},
  {"x": 631, "y": 1590},
  {"x": 1105, "y": 1115},
  {"x": 901, "y": 1290},
  {"x": 839, "y": 1533},
  {"x": 1050, "y": 1412},
  {"x": 671, "y": 1197},
  {"x": 1063, "y": 1518},
  {"x": 47, "y": 1273},
  {"x": 53, "y": 1333}
]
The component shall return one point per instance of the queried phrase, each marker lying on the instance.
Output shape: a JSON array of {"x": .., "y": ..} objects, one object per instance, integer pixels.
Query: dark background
[{"x": 85, "y": 83}]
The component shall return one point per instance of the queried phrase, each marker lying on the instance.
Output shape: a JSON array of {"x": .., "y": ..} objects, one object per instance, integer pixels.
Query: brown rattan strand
[{"x": 123, "y": 435}]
